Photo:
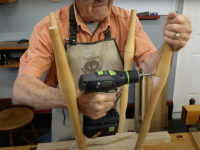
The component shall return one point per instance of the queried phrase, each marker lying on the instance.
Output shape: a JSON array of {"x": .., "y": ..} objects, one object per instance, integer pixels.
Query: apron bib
[{"x": 83, "y": 58}]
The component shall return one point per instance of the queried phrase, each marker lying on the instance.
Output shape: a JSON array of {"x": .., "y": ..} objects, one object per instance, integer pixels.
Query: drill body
[{"x": 105, "y": 81}]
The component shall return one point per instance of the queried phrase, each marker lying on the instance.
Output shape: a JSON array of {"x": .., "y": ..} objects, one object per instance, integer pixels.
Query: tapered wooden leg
[
  {"x": 11, "y": 141},
  {"x": 24, "y": 138},
  {"x": 34, "y": 132}
]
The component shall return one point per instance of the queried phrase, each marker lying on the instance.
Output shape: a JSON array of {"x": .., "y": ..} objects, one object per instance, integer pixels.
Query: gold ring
[{"x": 177, "y": 36}]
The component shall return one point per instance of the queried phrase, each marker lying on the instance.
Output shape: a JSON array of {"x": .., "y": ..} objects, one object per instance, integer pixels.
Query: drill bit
[{"x": 148, "y": 74}]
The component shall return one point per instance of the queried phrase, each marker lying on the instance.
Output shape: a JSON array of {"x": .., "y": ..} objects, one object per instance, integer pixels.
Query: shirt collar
[{"x": 103, "y": 25}]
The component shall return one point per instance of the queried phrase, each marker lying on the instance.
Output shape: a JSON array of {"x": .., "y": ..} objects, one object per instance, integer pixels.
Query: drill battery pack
[{"x": 107, "y": 125}]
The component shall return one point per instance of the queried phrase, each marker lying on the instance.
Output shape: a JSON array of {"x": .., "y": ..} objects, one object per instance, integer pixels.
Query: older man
[{"x": 94, "y": 33}]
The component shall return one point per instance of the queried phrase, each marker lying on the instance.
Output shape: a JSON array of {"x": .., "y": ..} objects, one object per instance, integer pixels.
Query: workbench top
[{"x": 179, "y": 141}]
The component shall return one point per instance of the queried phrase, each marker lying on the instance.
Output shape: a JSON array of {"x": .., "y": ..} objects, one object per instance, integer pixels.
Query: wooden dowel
[
  {"x": 159, "y": 81},
  {"x": 128, "y": 60},
  {"x": 66, "y": 81},
  {"x": 52, "y": 18}
]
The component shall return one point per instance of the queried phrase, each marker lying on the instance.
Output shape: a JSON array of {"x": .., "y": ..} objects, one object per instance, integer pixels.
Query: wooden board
[
  {"x": 191, "y": 114},
  {"x": 122, "y": 141},
  {"x": 196, "y": 138},
  {"x": 179, "y": 141},
  {"x": 29, "y": 147}
]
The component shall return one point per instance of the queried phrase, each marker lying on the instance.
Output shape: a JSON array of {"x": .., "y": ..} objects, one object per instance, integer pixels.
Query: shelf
[
  {"x": 9, "y": 66},
  {"x": 7, "y": 1},
  {"x": 149, "y": 17},
  {"x": 14, "y": 64},
  {"x": 4, "y": 46},
  {"x": 11, "y": 49}
]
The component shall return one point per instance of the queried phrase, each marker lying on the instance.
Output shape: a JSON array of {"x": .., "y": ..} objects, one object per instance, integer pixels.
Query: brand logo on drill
[{"x": 98, "y": 85}]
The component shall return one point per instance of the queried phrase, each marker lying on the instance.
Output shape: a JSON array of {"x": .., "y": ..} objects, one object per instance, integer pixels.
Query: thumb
[
  {"x": 78, "y": 93},
  {"x": 171, "y": 17}
]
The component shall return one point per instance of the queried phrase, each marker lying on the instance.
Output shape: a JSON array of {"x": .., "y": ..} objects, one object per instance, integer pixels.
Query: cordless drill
[{"x": 105, "y": 81}]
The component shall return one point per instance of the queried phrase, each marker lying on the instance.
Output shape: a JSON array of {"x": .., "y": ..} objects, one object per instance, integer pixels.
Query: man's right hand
[{"x": 95, "y": 105}]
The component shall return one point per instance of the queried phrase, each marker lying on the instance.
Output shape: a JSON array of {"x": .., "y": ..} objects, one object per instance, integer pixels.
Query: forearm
[
  {"x": 149, "y": 63},
  {"x": 31, "y": 91}
]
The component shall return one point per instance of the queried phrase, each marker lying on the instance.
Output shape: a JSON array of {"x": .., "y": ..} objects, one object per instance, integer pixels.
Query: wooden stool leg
[
  {"x": 11, "y": 141},
  {"x": 24, "y": 138},
  {"x": 34, "y": 133}
]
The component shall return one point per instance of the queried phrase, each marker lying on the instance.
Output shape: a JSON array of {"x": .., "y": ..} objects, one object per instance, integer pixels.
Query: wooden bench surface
[{"x": 180, "y": 141}]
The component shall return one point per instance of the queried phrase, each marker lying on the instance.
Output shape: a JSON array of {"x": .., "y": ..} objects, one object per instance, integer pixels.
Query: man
[{"x": 87, "y": 29}]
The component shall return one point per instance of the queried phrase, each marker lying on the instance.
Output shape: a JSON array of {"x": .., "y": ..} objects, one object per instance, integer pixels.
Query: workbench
[{"x": 179, "y": 141}]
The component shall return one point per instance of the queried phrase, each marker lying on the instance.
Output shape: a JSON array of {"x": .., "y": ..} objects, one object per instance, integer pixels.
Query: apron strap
[
  {"x": 73, "y": 28},
  {"x": 107, "y": 35}
]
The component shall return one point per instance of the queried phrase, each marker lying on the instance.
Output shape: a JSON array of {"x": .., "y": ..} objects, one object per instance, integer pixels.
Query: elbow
[
  {"x": 15, "y": 92},
  {"x": 18, "y": 90}
]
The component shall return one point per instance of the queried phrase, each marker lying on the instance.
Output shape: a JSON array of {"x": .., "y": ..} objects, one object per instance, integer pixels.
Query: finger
[
  {"x": 105, "y": 97},
  {"x": 111, "y": 97},
  {"x": 178, "y": 19},
  {"x": 172, "y": 35},
  {"x": 109, "y": 105},
  {"x": 175, "y": 43},
  {"x": 103, "y": 112},
  {"x": 98, "y": 109},
  {"x": 171, "y": 15},
  {"x": 179, "y": 28},
  {"x": 78, "y": 93},
  {"x": 94, "y": 117}
]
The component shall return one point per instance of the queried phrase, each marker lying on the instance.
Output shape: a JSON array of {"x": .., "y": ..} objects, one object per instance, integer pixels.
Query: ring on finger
[{"x": 177, "y": 36}]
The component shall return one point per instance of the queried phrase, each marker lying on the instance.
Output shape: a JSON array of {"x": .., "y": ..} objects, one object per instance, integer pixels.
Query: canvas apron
[{"x": 83, "y": 58}]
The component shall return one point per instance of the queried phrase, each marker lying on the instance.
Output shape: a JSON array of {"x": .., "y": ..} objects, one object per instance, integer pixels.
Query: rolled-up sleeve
[{"x": 39, "y": 56}]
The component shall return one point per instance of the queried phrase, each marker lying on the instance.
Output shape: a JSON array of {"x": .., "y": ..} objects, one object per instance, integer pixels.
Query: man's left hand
[{"x": 177, "y": 30}]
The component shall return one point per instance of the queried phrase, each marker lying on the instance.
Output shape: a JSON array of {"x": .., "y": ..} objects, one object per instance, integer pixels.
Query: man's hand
[
  {"x": 95, "y": 105},
  {"x": 177, "y": 30}
]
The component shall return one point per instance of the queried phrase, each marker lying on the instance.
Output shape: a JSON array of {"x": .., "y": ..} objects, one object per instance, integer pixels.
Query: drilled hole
[{"x": 179, "y": 136}]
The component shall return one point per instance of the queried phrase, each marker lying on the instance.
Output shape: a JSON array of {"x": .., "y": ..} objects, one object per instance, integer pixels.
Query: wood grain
[
  {"x": 191, "y": 114},
  {"x": 15, "y": 118},
  {"x": 179, "y": 141},
  {"x": 27, "y": 147},
  {"x": 159, "y": 80},
  {"x": 128, "y": 60},
  {"x": 66, "y": 81},
  {"x": 196, "y": 138},
  {"x": 121, "y": 141}
]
